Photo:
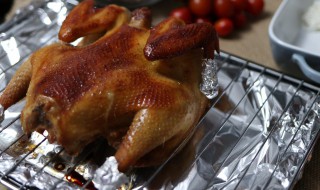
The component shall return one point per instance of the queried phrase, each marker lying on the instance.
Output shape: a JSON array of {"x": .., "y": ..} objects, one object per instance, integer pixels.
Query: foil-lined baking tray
[{"x": 258, "y": 134}]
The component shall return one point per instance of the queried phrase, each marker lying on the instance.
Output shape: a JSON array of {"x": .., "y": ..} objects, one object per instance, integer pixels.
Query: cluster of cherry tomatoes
[{"x": 225, "y": 15}]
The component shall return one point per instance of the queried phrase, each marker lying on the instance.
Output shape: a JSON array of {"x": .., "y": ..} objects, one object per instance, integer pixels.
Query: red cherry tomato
[
  {"x": 200, "y": 7},
  {"x": 182, "y": 13},
  {"x": 223, "y": 8},
  {"x": 224, "y": 27},
  {"x": 240, "y": 5},
  {"x": 202, "y": 20},
  {"x": 255, "y": 7},
  {"x": 240, "y": 19}
]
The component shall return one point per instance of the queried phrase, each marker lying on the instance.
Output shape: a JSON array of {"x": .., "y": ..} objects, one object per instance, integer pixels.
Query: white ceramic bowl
[{"x": 292, "y": 43}]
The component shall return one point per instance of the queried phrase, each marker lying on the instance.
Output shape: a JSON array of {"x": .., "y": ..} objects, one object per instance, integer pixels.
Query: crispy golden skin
[{"x": 137, "y": 87}]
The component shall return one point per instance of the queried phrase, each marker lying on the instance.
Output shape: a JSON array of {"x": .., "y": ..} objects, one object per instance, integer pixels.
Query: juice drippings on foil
[
  {"x": 78, "y": 179},
  {"x": 59, "y": 166}
]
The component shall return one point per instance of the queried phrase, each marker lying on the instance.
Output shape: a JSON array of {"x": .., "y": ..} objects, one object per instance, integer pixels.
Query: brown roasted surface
[{"x": 137, "y": 87}]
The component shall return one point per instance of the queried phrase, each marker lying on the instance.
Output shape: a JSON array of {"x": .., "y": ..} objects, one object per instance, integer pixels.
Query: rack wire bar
[
  {"x": 22, "y": 159},
  {"x": 68, "y": 173},
  {"x": 272, "y": 130},
  {"x": 246, "y": 129},
  {"x": 14, "y": 142},
  {"x": 228, "y": 117},
  {"x": 5, "y": 69},
  {"x": 220, "y": 95},
  {"x": 282, "y": 78},
  {"x": 304, "y": 160},
  {"x": 229, "y": 85},
  {"x": 9, "y": 124},
  {"x": 89, "y": 181},
  {"x": 225, "y": 57},
  {"x": 81, "y": 158},
  {"x": 20, "y": 17},
  {"x": 41, "y": 31},
  {"x": 25, "y": 185},
  {"x": 293, "y": 138}
]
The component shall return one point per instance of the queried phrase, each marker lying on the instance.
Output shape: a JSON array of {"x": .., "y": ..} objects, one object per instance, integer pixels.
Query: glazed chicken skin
[{"x": 135, "y": 85}]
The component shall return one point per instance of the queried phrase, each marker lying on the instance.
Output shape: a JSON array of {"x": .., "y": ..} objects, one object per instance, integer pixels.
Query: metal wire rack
[{"x": 231, "y": 146}]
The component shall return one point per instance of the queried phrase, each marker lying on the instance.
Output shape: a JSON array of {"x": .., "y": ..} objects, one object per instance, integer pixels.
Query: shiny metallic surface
[
  {"x": 209, "y": 85},
  {"x": 258, "y": 133}
]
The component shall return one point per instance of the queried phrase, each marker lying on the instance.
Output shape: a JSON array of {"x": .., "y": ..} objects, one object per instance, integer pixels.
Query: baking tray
[
  {"x": 258, "y": 134},
  {"x": 293, "y": 44}
]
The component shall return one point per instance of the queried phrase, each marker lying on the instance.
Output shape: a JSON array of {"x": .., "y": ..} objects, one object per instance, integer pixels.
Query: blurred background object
[
  {"x": 127, "y": 3},
  {"x": 13, "y": 6},
  {"x": 5, "y": 6}
]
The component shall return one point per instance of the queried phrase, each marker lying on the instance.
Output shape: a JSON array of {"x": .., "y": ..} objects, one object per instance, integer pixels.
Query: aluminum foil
[
  {"x": 257, "y": 134},
  {"x": 209, "y": 85}
]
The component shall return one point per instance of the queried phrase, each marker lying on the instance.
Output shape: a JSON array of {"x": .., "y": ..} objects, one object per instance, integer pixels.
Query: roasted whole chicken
[{"x": 135, "y": 85}]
